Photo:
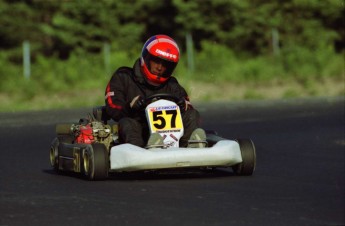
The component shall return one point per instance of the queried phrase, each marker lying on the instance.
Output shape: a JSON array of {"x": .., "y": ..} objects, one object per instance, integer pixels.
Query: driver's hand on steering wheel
[{"x": 138, "y": 103}]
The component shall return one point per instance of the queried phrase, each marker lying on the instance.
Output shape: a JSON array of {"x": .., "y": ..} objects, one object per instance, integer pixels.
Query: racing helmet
[{"x": 160, "y": 48}]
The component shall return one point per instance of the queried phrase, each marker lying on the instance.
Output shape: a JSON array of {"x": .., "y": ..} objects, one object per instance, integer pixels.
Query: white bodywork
[{"x": 128, "y": 157}]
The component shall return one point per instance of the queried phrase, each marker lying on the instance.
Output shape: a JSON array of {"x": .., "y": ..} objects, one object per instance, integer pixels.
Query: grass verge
[{"x": 198, "y": 91}]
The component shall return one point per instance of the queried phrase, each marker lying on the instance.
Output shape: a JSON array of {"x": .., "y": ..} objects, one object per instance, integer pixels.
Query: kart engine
[{"x": 93, "y": 132}]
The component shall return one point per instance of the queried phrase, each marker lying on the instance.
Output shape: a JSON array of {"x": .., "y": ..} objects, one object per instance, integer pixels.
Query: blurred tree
[
  {"x": 60, "y": 27},
  {"x": 17, "y": 21},
  {"x": 246, "y": 26}
]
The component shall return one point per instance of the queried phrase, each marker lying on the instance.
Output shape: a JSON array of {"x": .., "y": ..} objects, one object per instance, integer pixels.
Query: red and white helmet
[{"x": 164, "y": 48}]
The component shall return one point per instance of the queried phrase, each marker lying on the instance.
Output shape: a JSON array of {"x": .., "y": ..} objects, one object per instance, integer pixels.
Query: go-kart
[{"x": 92, "y": 147}]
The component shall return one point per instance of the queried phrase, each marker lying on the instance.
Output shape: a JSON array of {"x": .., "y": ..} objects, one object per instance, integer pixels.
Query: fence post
[
  {"x": 190, "y": 55},
  {"x": 275, "y": 42},
  {"x": 26, "y": 60},
  {"x": 106, "y": 55}
]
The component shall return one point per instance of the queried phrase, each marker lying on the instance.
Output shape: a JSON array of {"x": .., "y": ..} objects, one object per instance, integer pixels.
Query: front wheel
[
  {"x": 248, "y": 153},
  {"x": 96, "y": 162}
]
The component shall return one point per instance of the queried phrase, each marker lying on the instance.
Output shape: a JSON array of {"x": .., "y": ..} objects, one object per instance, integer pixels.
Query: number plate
[{"x": 164, "y": 117}]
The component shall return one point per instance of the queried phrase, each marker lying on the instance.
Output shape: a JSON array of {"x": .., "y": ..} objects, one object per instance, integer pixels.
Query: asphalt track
[{"x": 299, "y": 178}]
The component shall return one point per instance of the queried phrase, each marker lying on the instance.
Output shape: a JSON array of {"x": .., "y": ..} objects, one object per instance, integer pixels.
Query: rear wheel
[
  {"x": 54, "y": 150},
  {"x": 248, "y": 152},
  {"x": 54, "y": 153},
  {"x": 96, "y": 162}
]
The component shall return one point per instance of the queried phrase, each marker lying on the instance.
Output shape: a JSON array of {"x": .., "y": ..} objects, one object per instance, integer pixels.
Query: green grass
[{"x": 218, "y": 75}]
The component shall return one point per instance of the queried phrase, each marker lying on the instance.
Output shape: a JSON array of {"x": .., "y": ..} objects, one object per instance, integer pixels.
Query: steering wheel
[{"x": 159, "y": 96}]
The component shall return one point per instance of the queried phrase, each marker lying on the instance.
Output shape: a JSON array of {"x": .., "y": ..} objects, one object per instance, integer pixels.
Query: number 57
[{"x": 160, "y": 118}]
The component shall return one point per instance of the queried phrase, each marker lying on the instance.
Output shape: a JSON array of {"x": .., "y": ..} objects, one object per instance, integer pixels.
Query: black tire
[
  {"x": 69, "y": 139},
  {"x": 96, "y": 162},
  {"x": 54, "y": 150},
  {"x": 248, "y": 152},
  {"x": 54, "y": 154}
]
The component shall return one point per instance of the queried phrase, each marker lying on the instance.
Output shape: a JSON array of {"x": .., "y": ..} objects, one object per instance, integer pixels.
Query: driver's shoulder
[
  {"x": 122, "y": 74},
  {"x": 173, "y": 82},
  {"x": 121, "y": 71},
  {"x": 175, "y": 87}
]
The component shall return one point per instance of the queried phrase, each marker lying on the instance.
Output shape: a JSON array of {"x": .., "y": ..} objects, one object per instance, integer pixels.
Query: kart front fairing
[
  {"x": 128, "y": 157},
  {"x": 164, "y": 117}
]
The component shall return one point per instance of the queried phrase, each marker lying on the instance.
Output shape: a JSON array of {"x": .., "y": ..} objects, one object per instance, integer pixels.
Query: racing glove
[{"x": 137, "y": 104}]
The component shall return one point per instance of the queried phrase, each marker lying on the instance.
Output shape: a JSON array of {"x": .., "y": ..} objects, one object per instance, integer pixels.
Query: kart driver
[{"x": 151, "y": 74}]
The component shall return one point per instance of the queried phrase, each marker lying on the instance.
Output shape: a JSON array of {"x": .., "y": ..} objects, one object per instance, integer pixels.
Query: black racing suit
[{"x": 127, "y": 83}]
